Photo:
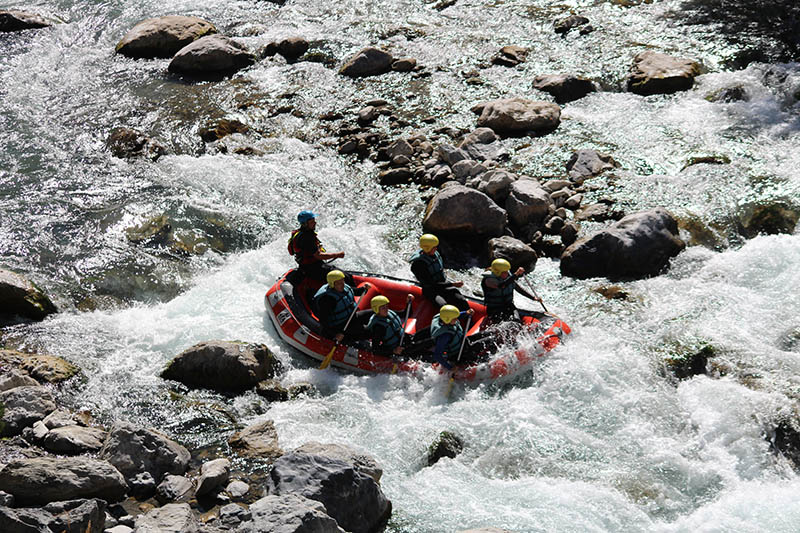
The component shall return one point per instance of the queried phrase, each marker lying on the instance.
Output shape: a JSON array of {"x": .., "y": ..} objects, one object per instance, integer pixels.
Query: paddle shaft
[
  {"x": 327, "y": 360},
  {"x": 464, "y": 340},
  {"x": 536, "y": 295},
  {"x": 403, "y": 334}
]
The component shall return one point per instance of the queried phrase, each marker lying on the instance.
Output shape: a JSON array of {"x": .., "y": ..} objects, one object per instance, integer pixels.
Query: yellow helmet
[
  {"x": 448, "y": 313},
  {"x": 378, "y": 302},
  {"x": 333, "y": 276},
  {"x": 428, "y": 242},
  {"x": 499, "y": 266}
]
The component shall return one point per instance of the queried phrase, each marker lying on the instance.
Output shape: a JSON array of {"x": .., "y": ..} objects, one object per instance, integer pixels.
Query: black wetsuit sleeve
[
  {"x": 525, "y": 293},
  {"x": 423, "y": 276}
]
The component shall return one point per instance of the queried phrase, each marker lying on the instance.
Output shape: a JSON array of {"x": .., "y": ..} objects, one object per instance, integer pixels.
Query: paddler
[
  {"x": 386, "y": 329},
  {"x": 498, "y": 285},
  {"x": 447, "y": 334},
  {"x": 428, "y": 268},
  {"x": 334, "y": 304},
  {"x": 309, "y": 252}
]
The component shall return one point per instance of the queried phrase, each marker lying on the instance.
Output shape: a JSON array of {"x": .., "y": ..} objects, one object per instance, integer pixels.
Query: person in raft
[
  {"x": 308, "y": 251},
  {"x": 447, "y": 334},
  {"x": 386, "y": 330},
  {"x": 498, "y": 285},
  {"x": 428, "y": 268},
  {"x": 334, "y": 303}
]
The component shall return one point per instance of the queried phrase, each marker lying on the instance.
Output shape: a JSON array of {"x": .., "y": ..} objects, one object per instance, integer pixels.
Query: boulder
[
  {"x": 367, "y": 62},
  {"x": 450, "y": 154},
  {"x": 213, "y": 475},
  {"x": 217, "y": 129},
  {"x": 588, "y": 163},
  {"x": 259, "y": 440},
  {"x": 84, "y": 516},
  {"x": 353, "y": 498},
  {"x": 463, "y": 212},
  {"x": 60, "y": 418},
  {"x": 127, "y": 143},
  {"x": 564, "y": 25},
  {"x": 232, "y": 515},
  {"x": 654, "y": 73},
  {"x": 163, "y": 36},
  {"x": 210, "y": 58},
  {"x": 174, "y": 489},
  {"x": 74, "y": 440},
  {"x": 496, "y": 184},
  {"x": 447, "y": 444},
  {"x": 237, "y": 489},
  {"x": 483, "y": 144},
  {"x": 289, "y": 513},
  {"x": 23, "y": 407},
  {"x": 172, "y": 518},
  {"x": 784, "y": 439},
  {"x": 467, "y": 168},
  {"x": 396, "y": 176},
  {"x": 518, "y": 115},
  {"x": 133, "y": 450},
  {"x": 768, "y": 218},
  {"x": 527, "y": 202},
  {"x": 564, "y": 87},
  {"x": 404, "y": 64},
  {"x": 13, "y": 378},
  {"x": 142, "y": 486},
  {"x": 41, "y": 367},
  {"x": 42, "y": 480},
  {"x": 20, "y": 297},
  {"x": 223, "y": 366},
  {"x": 637, "y": 246},
  {"x": 360, "y": 461},
  {"x": 510, "y": 56},
  {"x": 291, "y": 48},
  {"x": 20, "y": 20},
  {"x": 272, "y": 390},
  {"x": 514, "y": 250}
]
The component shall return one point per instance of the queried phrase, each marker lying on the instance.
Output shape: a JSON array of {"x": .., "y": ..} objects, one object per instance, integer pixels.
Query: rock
[
  {"x": 563, "y": 26},
  {"x": 13, "y": 378},
  {"x": 289, "y": 513},
  {"x": 737, "y": 93},
  {"x": 232, "y": 515},
  {"x": 495, "y": 183},
  {"x": 20, "y": 297},
  {"x": 396, "y": 176},
  {"x": 569, "y": 233},
  {"x": 127, "y": 143},
  {"x": 360, "y": 461},
  {"x": 23, "y": 407},
  {"x": 447, "y": 444},
  {"x": 42, "y": 480},
  {"x": 527, "y": 202},
  {"x": 450, "y": 154},
  {"x": 637, "y": 246},
  {"x": 574, "y": 201},
  {"x": 38, "y": 431},
  {"x": 406, "y": 64},
  {"x": 163, "y": 36},
  {"x": 518, "y": 115},
  {"x": 564, "y": 87},
  {"x": 654, "y": 73},
  {"x": 84, "y": 516},
  {"x": 237, "y": 489},
  {"x": 213, "y": 475},
  {"x": 771, "y": 219},
  {"x": 367, "y": 115},
  {"x": 353, "y": 498},
  {"x": 272, "y": 390},
  {"x": 483, "y": 145},
  {"x": 223, "y": 366},
  {"x": 20, "y": 21},
  {"x": 514, "y": 250},
  {"x": 467, "y": 168},
  {"x": 133, "y": 450},
  {"x": 684, "y": 365},
  {"x": 463, "y": 212},
  {"x": 784, "y": 439},
  {"x": 597, "y": 212},
  {"x": 510, "y": 56},
  {"x": 367, "y": 62},
  {"x": 174, "y": 489},
  {"x": 291, "y": 48},
  {"x": 259, "y": 440},
  {"x": 142, "y": 486},
  {"x": 400, "y": 147},
  {"x": 588, "y": 163},
  {"x": 6, "y": 499},
  {"x": 60, "y": 418},
  {"x": 216, "y": 130},
  {"x": 172, "y": 518},
  {"x": 24, "y": 520},
  {"x": 211, "y": 58},
  {"x": 74, "y": 440},
  {"x": 301, "y": 388}
]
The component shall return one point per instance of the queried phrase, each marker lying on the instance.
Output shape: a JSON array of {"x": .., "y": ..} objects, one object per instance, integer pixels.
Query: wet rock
[
  {"x": 220, "y": 128},
  {"x": 510, "y": 56},
  {"x": 174, "y": 489},
  {"x": 163, "y": 36},
  {"x": 211, "y": 58},
  {"x": 784, "y": 439},
  {"x": 585, "y": 164},
  {"x": 20, "y": 21},
  {"x": 406, "y": 64},
  {"x": 367, "y": 115},
  {"x": 213, "y": 475},
  {"x": 43, "y": 368},
  {"x": 289, "y": 513},
  {"x": 728, "y": 95},
  {"x": 597, "y": 212},
  {"x": 790, "y": 340},
  {"x": 527, "y": 202},
  {"x": 367, "y": 62},
  {"x": 154, "y": 231},
  {"x": 483, "y": 145},
  {"x": 20, "y": 297},
  {"x": 564, "y": 87},
  {"x": 460, "y": 211},
  {"x": 770, "y": 219},
  {"x": 351, "y": 497},
  {"x": 495, "y": 183},
  {"x": 654, "y": 73},
  {"x": 13, "y": 378},
  {"x": 569, "y": 233},
  {"x": 302, "y": 388},
  {"x": 612, "y": 292},
  {"x": 132, "y": 450},
  {"x": 43, "y": 480},
  {"x": 514, "y": 250},
  {"x": 637, "y": 246},
  {"x": 564, "y": 25},
  {"x": 172, "y": 518},
  {"x": 23, "y": 406},
  {"x": 688, "y": 364},
  {"x": 360, "y": 461},
  {"x": 272, "y": 390},
  {"x": 396, "y": 176},
  {"x": 259, "y": 440},
  {"x": 467, "y": 168},
  {"x": 450, "y": 154},
  {"x": 400, "y": 147},
  {"x": 237, "y": 489},
  {"x": 223, "y": 366},
  {"x": 291, "y": 48},
  {"x": 127, "y": 143},
  {"x": 518, "y": 115},
  {"x": 447, "y": 444},
  {"x": 706, "y": 160},
  {"x": 74, "y": 440}
]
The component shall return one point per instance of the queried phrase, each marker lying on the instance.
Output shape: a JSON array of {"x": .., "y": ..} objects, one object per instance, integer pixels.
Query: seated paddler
[
  {"x": 428, "y": 268},
  {"x": 498, "y": 285},
  {"x": 386, "y": 329},
  {"x": 335, "y": 307},
  {"x": 448, "y": 336}
]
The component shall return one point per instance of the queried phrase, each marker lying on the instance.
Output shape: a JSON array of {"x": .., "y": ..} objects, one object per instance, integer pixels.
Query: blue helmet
[{"x": 304, "y": 216}]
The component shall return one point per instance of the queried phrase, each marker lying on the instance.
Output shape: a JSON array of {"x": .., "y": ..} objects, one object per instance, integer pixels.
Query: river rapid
[{"x": 595, "y": 437}]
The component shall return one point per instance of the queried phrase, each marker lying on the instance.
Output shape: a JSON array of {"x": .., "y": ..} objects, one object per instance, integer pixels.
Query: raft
[{"x": 287, "y": 304}]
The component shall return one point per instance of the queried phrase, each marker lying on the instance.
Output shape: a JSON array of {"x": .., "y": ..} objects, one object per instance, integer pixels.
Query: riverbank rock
[
  {"x": 360, "y": 461},
  {"x": 210, "y": 58},
  {"x": 133, "y": 450},
  {"x": 514, "y": 250},
  {"x": 13, "y": 378},
  {"x": 584, "y": 164},
  {"x": 564, "y": 87},
  {"x": 213, "y": 475},
  {"x": 171, "y": 518},
  {"x": 637, "y": 246},
  {"x": 20, "y": 297},
  {"x": 510, "y": 56},
  {"x": 23, "y": 406},
  {"x": 483, "y": 144},
  {"x": 127, "y": 143},
  {"x": 84, "y": 516},
  {"x": 291, "y": 48},
  {"x": 20, "y": 20},
  {"x": 518, "y": 115},
  {"x": 528, "y": 202},
  {"x": 496, "y": 184},
  {"x": 259, "y": 440},
  {"x": 289, "y": 513},
  {"x": 564, "y": 25},
  {"x": 42, "y": 480},
  {"x": 163, "y": 36},
  {"x": 784, "y": 439},
  {"x": 41, "y": 367},
  {"x": 353, "y": 498},
  {"x": 654, "y": 73},
  {"x": 769, "y": 219},
  {"x": 174, "y": 489},
  {"x": 73, "y": 440},
  {"x": 447, "y": 444},
  {"x": 459, "y": 211},
  {"x": 367, "y": 62},
  {"x": 223, "y": 366}
]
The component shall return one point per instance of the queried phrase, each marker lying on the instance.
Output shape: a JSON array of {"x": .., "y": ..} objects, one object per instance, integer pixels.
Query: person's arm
[
  {"x": 308, "y": 243},
  {"x": 420, "y": 271}
]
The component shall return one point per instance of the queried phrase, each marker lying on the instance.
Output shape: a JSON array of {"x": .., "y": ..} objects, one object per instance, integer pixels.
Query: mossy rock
[
  {"x": 447, "y": 444},
  {"x": 691, "y": 362},
  {"x": 771, "y": 219},
  {"x": 702, "y": 233},
  {"x": 41, "y": 367}
]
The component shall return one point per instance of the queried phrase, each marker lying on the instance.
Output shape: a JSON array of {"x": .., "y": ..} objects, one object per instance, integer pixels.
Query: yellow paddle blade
[
  {"x": 394, "y": 368},
  {"x": 449, "y": 387},
  {"x": 327, "y": 360}
]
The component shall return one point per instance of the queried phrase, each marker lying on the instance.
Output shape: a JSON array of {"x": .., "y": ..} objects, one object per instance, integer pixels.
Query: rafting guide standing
[{"x": 308, "y": 251}]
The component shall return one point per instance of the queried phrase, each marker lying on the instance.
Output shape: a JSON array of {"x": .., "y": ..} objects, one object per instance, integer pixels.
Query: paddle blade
[
  {"x": 394, "y": 368},
  {"x": 327, "y": 360},
  {"x": 449, "y": 387}
]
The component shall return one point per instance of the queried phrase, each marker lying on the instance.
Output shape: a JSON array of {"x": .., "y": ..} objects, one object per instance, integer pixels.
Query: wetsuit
[
  {"x": 333, "y": 309},
  {"x": 498, "y": 296},
  {"x": 448, "y": 339},
  {"x": 429, "y": 271}
]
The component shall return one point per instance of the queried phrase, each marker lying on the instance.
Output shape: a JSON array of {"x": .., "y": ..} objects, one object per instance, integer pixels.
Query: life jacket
[
  {"x": 342, "y": 309},
  {"x": 392, "y": 327},
  {"x": 499, "y": 298},
  {"x": 433, "y": 263},
  {"x": 302, "y": 256},
  {"x": 438, "y": 328}
]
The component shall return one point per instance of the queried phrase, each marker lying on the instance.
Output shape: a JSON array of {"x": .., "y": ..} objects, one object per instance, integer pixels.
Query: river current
[{"x": 595, "y": 437}]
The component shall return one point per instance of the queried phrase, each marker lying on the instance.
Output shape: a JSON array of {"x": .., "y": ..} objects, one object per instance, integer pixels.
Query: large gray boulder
[
  {"x": 133, "y": 450},
  {"x": 163, "y": 36},
  {"x": 289, "y": 513},
  {"x": 172, "y": 518},
  {"x": 174, "y": 489},
  {"x": 514, "y": 250},
  {"x": 84, "y": 516},
  {"x": 367, "y": 62},
  {"x": 518, "y": 115},
  {"x": 211, "y": 57},
  {"x": 74, "y": 440},
  {"x": 223, "y": 366},
  {"x": 24, "y": 406},
  {"x": 465, "y": 213},
  {"x": 42, "y": 480},
  {"x": 259, "y": 440},
  {"x": 637, "y": 246},
  {"x": 496, "y": 184},
  {"x": 20, "y": 297},
  {"x": 353, "y": 498},
  {"x": 528, "y": 202},
  {"x": 654, "y": 73},
  {"x": 359, "y": 460},
  {"x": 20, "y": 20},
  {"x": 483, "y": 144},
  {"x": 13, "y": 378}
]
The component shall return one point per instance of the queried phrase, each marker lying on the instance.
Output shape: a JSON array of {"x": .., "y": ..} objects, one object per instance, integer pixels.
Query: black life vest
[
  {"x": 303, "y": 257},
  {"x": 392, "y": 326},
  {"x": 500, "y": 297},
  {"x": 438, "y": 328},
  {"x": 433, "y": 264},
  {"x": 342, "y": 309}
]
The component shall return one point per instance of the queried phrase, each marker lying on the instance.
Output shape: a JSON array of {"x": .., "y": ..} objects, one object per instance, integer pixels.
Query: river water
[{"x": 592, "y": 438}]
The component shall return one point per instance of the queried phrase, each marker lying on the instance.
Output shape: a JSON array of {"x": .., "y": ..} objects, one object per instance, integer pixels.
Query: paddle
[
  {"x": 538, "y": 299},
  {"x": 327, "y": 360},
  {"x": 461, "y": 349},
  {"x": 403, "y": 334}
]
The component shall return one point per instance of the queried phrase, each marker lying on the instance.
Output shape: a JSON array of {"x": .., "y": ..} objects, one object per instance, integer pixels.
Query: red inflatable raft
[{"x": 287, "y": 307}]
